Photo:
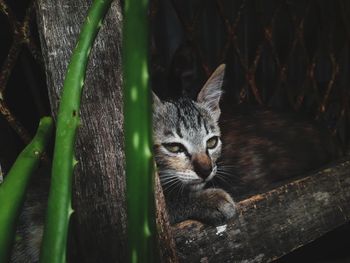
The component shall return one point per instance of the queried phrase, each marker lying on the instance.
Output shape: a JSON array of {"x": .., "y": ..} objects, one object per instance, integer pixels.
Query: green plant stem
[
  {"x": 138, "y": 134},
  {"x": 13, "y": 189},
  {"x": 59, "y": 204}
]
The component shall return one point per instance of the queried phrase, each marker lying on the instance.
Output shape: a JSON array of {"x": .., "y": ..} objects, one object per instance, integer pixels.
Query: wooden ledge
[{"x": 272, "y": 224}]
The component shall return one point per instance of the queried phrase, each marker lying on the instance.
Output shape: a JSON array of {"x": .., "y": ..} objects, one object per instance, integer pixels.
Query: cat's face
[{"x": 187, "y": 137}]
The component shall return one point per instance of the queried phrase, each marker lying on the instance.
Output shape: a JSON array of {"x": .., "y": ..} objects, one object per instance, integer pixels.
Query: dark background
[
  {"x": 288, "y": 55},
  {"x": 22, "y": 79}
]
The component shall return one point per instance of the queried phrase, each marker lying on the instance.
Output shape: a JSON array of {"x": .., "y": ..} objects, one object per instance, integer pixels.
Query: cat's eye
[
  {"x": 174, "y": 147},
  {"x": 212, "y": 142}
]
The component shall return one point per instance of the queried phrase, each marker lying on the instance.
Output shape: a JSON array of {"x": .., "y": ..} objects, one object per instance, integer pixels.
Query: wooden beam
[
  {"x": 274, "y": 223},
  {"x": 99, "y": 184}
]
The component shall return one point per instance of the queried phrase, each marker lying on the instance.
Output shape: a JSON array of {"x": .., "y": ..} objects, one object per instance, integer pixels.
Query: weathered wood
[
  {"x": 167, "y": 247},
  {"x": 272, "y": 224},
  {"x": 99, "y": 182}
]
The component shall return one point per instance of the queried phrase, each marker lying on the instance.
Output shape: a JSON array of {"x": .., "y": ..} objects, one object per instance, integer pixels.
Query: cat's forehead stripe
[
  {"x": 178, "y": 111},
  {"x": 199, "y": 119},
  {"x": 205, "y": 127},
  {"x": 191, "y": 117},
  {"x": 184, "y": 112},
  {"x": 178, "y": 131},
  {"x": 168, "y": 133},
  {"x": 186, "y": 118},
  {"x": 182, "y": 118},
  {"x": 178, "y": 116}
]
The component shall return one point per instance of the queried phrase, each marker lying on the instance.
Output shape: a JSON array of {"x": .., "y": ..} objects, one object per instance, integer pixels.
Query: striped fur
[{"x": 191, "y": 125}]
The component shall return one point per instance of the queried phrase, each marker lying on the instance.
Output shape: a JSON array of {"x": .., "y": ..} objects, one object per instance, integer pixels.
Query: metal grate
[
  {"x": 21, "y": 78},
  {"x": 282, "y": 54}
]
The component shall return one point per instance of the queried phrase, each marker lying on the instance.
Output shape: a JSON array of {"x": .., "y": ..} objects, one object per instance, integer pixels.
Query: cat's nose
[{"x": 202, "y": 165}]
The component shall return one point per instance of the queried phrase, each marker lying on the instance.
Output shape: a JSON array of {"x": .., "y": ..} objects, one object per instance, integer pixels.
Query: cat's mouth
[
  {"x": 198, "y": 184},
  {"x": 212, "y": 174}
]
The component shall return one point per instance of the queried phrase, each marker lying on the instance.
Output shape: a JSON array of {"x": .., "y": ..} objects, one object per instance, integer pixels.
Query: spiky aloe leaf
[
  {"x": 138, "y": 130},
  {"x": 59, "y": 204},
  {"x": 13, "y": 189}
]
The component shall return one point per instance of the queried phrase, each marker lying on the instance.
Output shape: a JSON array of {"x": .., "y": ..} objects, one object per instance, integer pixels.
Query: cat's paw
[{"x": 215, "y": 206}]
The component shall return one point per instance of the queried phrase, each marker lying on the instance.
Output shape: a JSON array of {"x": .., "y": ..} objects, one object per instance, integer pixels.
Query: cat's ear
[
  {"x": 212, "y": 90},
  {"x": 157, "y": 103}
]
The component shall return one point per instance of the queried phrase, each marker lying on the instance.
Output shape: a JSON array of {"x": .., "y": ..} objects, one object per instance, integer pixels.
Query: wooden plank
[
  {"x": 167, "y": 247},
  {"x": 99, "y": 183},
  {"x": 274, "y": 223}
]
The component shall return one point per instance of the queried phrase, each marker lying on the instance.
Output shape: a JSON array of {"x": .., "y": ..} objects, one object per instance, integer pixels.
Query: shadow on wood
[{"x": 274, "y": 223}]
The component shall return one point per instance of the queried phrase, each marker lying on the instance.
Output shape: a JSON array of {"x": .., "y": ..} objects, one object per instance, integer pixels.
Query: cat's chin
[{"x": 196, "y": 186}]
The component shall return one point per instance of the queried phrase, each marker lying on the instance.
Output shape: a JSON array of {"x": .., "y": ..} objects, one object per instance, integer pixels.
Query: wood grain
[
  {"x": 99, "y": 182},
  {"x": 274, "y": 223},
  {"x": 167, "y": 247}
]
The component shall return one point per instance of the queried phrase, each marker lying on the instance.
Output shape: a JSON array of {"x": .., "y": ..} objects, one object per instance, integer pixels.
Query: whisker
[
  {"x": 225, "y": 173},
  {"x": 170, "y": 185},
  {"x": 229, "y": 177},
  {"x": 223, "y": 179},
  {"x": 174, "y": 186},
  {"x": 171, "y": 188},
  {"x": 169, "y": 182},
  {"x": 226, "y": 165},
  {"x": 179, "y": 193}
]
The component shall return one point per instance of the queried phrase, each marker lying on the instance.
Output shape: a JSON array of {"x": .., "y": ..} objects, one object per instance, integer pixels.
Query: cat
[
  {"x": 195, "y": 148},
  {"x": 187, "y": 144},
  {"x": 251, "y": 150},
  {"x": 262, "y": 148}
]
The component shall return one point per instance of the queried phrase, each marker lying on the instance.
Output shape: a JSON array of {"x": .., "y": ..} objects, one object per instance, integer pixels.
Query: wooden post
[{"x": 99, "y": 184}]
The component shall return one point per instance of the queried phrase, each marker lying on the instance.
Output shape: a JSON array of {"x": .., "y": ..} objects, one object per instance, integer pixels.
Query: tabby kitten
[
  {"x": 256, "y": 148},
  {"x": 187, "y": 145}
]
